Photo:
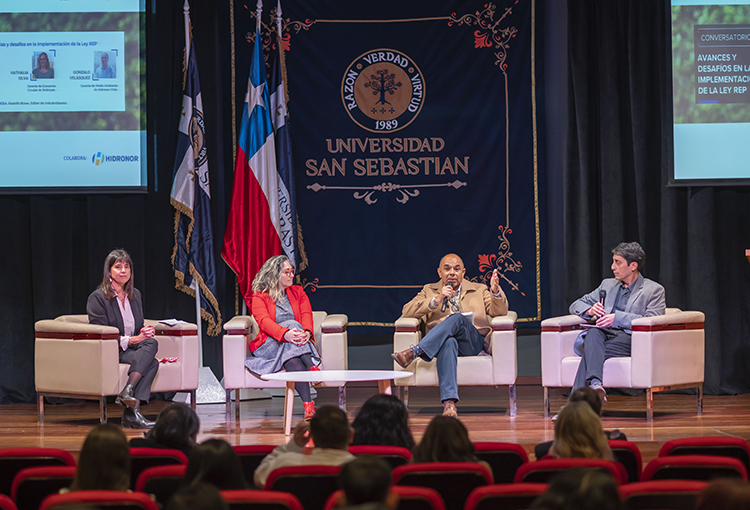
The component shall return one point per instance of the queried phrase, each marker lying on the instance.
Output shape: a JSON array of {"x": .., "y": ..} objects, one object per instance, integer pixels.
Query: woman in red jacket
[{"x": 284, "y": 317}]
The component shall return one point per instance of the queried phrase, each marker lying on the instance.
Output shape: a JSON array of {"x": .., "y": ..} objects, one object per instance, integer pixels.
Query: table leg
[
  {"x": 384, "y": 386},
  {"x": 288, "y": 407}
]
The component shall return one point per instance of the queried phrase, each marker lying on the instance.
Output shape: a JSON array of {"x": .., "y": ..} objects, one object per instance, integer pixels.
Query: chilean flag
[{"x": 256, "y": 225}]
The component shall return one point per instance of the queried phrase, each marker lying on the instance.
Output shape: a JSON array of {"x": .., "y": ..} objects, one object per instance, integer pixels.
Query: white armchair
[
  {"x": 667, "y": 353},
  {"x": 75, "y": 359},
  {"x": 498, "y": 369},
  {"x": 330, "y": 340}
]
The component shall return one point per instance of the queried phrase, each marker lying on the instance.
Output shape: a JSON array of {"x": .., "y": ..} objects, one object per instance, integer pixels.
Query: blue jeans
[
  {"x": 600, "y": 345},
  {"x": 455, "y": 336}
]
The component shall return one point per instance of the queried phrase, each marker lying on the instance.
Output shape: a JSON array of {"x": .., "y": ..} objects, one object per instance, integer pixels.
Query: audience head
[
  {"x": 176, "y": 427},
  {"x": 118, "y": 256},
  {"x": 104, "y": 463},
  {"x": 580, "y": 489},
  {"x": 215, "y": 462},
  {"x": 591, "y": 397},
  {"x": 199, "y": 496},
  {"x": 579, "y": 434},
  {"x": 268, "y": 278},
  {"x": 445, "y": 440},
  {"x": 329, "y": 428},
  {"x": 631, "y": 252},
  {"x": 726, "y": 494},
  {"x": 367, "y": 479},
  {"x": 383, "y": 420}
]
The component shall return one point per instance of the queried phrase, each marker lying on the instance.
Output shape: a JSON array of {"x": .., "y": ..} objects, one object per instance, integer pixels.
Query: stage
[{"x": 483, "y": 410}]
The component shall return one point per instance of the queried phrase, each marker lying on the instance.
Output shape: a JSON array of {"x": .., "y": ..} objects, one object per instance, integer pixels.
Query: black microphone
[
  {"x": 445, "y": 301},
  {"x": 602, "y": 295}
]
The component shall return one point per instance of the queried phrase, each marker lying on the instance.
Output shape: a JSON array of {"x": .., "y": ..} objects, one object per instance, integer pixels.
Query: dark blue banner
[{"x": 414, "y": 135}]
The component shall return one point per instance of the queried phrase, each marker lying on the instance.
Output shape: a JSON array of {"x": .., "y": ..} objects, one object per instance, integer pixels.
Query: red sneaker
[{"x": 309, "y": 409}]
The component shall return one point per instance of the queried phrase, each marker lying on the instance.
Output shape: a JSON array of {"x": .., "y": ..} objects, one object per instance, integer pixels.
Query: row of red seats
[
  {"x": 516, "y": 496},
  {"x": 509, "y": 462}
]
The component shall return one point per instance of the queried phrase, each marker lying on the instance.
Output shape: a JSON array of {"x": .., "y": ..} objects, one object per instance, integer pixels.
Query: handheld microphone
[
  {"x": 445, "y": 302},
  {"x": 602, "y": 295}
]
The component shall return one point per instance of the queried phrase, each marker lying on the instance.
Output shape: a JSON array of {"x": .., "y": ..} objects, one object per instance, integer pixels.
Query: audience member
[
  {"x": 176, "y": 427},
  {"x": 579, "y": 434},
  {"x": 215, "y": 462},
  {"x": 445, "y": 440},
  {"x": 366, "y": 482},
  {"x": 383, "y": 420},
  {"x": 591, "y": 397},
  {"x": 331, "y": 434},
  {"x": 580, "y": 489},
  {"x": 199, "y": 496},
  {"x": 104, "y": 463},
  {"x": 726, "y": 494}
]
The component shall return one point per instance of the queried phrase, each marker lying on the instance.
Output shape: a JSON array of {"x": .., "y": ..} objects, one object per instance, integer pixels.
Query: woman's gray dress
[{"x": 270, "y": 357}]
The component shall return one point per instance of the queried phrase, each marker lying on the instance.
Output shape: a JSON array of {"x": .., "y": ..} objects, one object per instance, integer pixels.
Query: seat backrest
[
  {"x": 503, "y": 458},
  {"x": 161, "y": 481},
  {"x": 409, "y": 498},
  {"x": 6, "y": 503},
  {"x": 311, "y": 484},
  {"x": 13, "y": 460},
  {"x": 144, "y": 458},
  {"x": 721, "y": 446},
  {"x": 393, "y": 455},
  {"x": 77, "y": 319},
  {"x": 628, "y": 454},
  {"x": 663, "y": 494},
  {"x": 542, "y": 471},
  {"x": 32, "y": 485},
  {"x": 260, "y": 500},
  {"x": 454, "y": 481},
  {"x": 511, "y": 496},
  {"x": 106, "y": 500},
  {"x": 251, "y": 456},
  {"x": 693, "y": 467}
]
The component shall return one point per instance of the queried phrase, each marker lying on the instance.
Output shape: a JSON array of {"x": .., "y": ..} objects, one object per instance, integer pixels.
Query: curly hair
[
  {"x": 579, "y": 434},
  {"x": 445, "y": 440},
  {"x": 268, "y": 277},
  {"x": 383, "y": 420},
  {"x": 118, "y": 255}
]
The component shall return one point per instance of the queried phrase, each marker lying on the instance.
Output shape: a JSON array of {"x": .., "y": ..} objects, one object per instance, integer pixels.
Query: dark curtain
[
  {"x": 55, "y": 245},
  {"x": 618, "y": 158}
]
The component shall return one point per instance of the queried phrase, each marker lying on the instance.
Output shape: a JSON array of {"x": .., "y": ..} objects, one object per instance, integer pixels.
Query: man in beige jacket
[{"x": 451, "y": 330}]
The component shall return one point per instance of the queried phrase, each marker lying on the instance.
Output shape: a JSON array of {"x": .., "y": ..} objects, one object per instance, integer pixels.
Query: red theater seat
[
  {"x": 511, "y": 496},
  {"x": 721, "y": 446},
  {"x": 112, "y": 500},
  {"x": 693, "y": 467},
  {"x": 260, "y": 500},
  {"x": 13, "y": 460},
  {"x": 161, "y": 481},
  {"x": 454, "y": 481},
  {"x": 542, "y": 471},
  {"x": 251, "y": 455},
  {"x": 628, "y": 454},
  {"x": 662, "y": 494},
  {"x": 311, "y": 484},
  {"x": 144, "y": 458},
  {"x": 503, "y": 458},
  {"x": 409, "y": 498},
  {"x": 32, "y": 485},
  {"x": 393, "y": 455}
]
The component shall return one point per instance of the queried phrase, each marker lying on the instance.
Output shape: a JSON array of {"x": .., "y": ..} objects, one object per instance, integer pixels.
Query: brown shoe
[
  {"x": 449, "y": 409},
  {"x": 403, "y": 358}
]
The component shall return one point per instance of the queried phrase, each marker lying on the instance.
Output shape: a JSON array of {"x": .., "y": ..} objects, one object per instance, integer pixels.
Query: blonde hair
[
  {"x": 268, "y": 278},
  {"x": 579, "y": 434}
]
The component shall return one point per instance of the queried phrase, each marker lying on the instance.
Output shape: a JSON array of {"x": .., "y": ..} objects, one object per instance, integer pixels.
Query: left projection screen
[{"x": 72, "y": 96}]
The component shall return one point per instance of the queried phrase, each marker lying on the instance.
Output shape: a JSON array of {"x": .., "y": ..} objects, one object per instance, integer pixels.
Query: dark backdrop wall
[{"x": 608, "y": 96}]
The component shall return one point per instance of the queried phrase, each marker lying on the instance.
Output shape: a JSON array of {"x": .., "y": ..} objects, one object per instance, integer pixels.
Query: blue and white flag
[
  {"x": 192, "y": 257},
  {"x": 291, "y": 238}
]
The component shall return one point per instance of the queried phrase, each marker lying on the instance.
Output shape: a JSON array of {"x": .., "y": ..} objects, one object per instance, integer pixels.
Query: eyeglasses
[{"x": 288, "y": 272}]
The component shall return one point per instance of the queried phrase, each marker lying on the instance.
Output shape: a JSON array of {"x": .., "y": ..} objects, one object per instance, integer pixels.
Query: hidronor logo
[
  {"x": 383, "y": 90},
  {"x": 98, "y": 158}
]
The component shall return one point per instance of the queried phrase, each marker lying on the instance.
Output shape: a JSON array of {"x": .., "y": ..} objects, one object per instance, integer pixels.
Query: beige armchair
[
  {"x": 75, "y": 359},
  {"x": 667, "y": 353},
  {"x": 330, "y": 339},
  {"x": 498, "y": 369}
]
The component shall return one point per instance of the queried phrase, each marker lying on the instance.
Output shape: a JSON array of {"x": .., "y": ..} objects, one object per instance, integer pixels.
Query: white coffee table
[{"x": 384, "y": 378}]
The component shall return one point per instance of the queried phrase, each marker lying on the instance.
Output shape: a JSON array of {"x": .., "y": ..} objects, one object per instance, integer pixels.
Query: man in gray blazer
[{"x": 625, "y": 297}]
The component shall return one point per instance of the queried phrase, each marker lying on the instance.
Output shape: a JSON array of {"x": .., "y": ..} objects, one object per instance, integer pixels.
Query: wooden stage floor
[{"x": 483, "y": 410}]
